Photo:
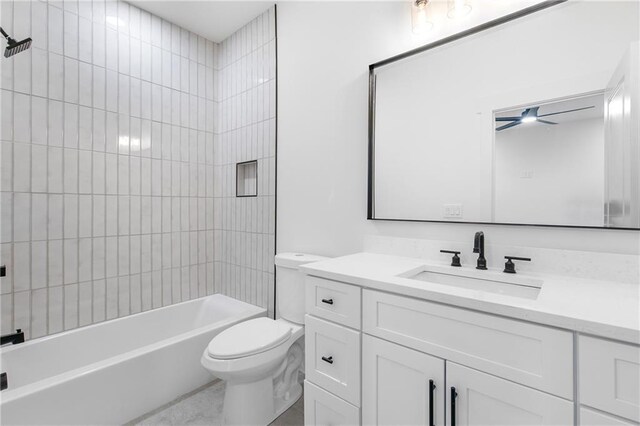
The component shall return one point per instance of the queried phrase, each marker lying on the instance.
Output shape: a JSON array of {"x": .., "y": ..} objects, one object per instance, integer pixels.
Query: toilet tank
[{"x": 290, "y": 289}]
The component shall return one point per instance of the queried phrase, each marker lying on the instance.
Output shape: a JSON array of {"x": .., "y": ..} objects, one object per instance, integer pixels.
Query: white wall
[{"x": 324, "y": 50}]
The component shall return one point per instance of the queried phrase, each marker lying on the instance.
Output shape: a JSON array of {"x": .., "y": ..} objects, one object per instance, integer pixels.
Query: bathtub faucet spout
[{"x": 13, "y": 338}]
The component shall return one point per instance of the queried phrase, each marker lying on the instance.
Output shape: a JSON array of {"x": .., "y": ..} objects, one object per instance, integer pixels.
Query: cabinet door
[
  {"x": 322, "y": 408},
  {"x": 400, "y": 386},
  {"x": 475, "y": 398}
]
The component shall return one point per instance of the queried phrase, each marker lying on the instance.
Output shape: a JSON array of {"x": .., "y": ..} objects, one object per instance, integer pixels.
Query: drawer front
[
  {"x": 590, "y": 417},
  {"x": 337, "y": 302},
  {"x": 332, "y": 357},
  {"x": 322, "y": 408},
  {"x": 536, "y": 356},
  {"x": 609, "y": 376}
]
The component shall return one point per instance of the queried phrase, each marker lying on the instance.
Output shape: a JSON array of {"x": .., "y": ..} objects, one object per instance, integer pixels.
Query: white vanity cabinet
[{"x": 377, "y": 358}]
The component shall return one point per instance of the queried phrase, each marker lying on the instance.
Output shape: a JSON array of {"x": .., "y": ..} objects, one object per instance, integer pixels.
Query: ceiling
[{"x": 214, "y": 20}]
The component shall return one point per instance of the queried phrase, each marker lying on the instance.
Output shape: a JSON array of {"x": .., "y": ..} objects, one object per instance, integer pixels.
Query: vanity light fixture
[
  {"x": 458, "y": 8},
  {"x": 419, "y": 17}
]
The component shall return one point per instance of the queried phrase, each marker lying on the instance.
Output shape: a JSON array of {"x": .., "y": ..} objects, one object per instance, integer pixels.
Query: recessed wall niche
[{"x": 247, "y": 179}]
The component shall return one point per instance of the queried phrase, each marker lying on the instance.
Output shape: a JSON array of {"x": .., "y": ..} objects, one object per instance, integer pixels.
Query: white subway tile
[
  {"x": 70, "y": 216},
  {"x": 55, "y": 309},
  {"x": 99, "y": 215},
  {"x": 22, "y": 312},
  {"x": 84, "y": 218},
  {"x": 84, "y": 259},
  {"x": 55, "y": 30},
  {"x": 55, "y": 217},
  {"x": 38, "y": 264},
  {"x": 56, "y": 123},
  {"x": 56, "y": 76},
  {"x": 38, "y": 120},
  {"x": 98, "y": 254},
  {"x": 39, "y": 25},
  {"x": 99, "y": 87},
  {"x": 111, "y": 215},
  {"x": 99, "y": 301},
  {"x": 99, "y": 43},
  {"x": 85, "y": 303},
  {"x": 70, "y": 306},
  {"x": 85, "y": 47},
  {"x": 22, "y": 72},
  {"x": 21, "y": 266},
  {"x": 112, "y": 298},
  {"x": 39, "y": 216},
  {"x": 70, "y": 125},
  {"x": 70, "y": 34}
]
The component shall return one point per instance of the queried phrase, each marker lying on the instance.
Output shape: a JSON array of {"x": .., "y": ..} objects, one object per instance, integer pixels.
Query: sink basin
[{"x": 488, "y": 281}]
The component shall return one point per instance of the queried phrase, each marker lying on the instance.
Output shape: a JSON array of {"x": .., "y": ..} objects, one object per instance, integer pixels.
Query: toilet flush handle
[{"x": 328, "y": 301}]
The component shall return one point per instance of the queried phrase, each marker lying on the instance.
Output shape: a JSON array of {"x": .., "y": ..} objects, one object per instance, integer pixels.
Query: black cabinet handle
[
  {"x": 328, "y": 359},
  {"x": 454, "y": 394},
  {"x": 432, "y": 387},
  {"x": 328, "y": 301}
]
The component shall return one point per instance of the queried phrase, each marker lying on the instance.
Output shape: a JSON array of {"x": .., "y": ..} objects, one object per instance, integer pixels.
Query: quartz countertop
[{"x": 600, "y": 308}]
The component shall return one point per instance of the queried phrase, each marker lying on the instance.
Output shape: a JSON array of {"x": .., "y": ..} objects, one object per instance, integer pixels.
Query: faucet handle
[
  {"x": 510, "y": 267},
  {"x": 455, "y": 260}
]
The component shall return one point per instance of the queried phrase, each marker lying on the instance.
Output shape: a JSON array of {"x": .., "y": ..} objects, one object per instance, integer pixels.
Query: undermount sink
[{"x": 488, "y": 281}]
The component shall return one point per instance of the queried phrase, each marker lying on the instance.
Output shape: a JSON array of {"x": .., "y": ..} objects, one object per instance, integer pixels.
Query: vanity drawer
[
  {"x": 322, "y": 408},
  {"x": 332, "y": 358},
  {"x": 536, "y": 356},
  {"x": 609, "y": 376},
  {"x": 332, "y": 300}
]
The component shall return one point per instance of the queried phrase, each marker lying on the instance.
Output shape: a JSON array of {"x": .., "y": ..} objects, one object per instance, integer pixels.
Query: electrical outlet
[{"x": 452, "y": 211}]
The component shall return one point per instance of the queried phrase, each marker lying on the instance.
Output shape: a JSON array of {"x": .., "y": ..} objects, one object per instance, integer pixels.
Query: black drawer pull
[
  {"x": 329, "y": 359},
  {"x": 328, "y": 301},
  {"x": 454, "y": 394},
  {"x": 432, "y": 387}
]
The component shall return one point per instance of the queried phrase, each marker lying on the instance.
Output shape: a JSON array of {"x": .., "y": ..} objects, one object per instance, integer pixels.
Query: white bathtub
[{"x": 116, "y": 371}]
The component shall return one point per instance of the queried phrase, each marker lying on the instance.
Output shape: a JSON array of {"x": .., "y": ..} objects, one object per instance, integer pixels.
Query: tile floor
[{"x": 204, "y": 407}]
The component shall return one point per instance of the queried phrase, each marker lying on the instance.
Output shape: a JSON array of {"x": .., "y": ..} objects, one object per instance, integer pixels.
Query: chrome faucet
[{"x": 478, "y": 247}]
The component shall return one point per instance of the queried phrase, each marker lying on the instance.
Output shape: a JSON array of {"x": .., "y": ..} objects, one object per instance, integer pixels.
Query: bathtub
[{"x": 115, "y": 371}]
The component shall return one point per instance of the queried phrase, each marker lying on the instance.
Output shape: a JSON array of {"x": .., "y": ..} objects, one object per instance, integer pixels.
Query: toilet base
[{"x": 254, "y": 403}]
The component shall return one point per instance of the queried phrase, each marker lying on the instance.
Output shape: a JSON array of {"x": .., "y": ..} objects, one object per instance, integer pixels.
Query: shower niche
[{"x": 247, "y": 179}]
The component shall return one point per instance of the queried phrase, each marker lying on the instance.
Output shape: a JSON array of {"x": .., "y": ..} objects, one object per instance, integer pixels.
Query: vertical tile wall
[
  {"x": 246, "y": 130},
  {"x": 107, "y": 164}
]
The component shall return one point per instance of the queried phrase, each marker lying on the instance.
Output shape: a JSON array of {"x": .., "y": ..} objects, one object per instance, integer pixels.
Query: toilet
[{"x": 260, "y": 359}]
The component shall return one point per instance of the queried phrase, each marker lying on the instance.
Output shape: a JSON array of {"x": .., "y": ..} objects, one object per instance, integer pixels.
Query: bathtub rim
[{"x": 10, "y": 395}]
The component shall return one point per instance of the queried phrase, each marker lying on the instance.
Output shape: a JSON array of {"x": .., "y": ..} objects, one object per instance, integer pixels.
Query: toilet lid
[{"x": 249, "y": 338}]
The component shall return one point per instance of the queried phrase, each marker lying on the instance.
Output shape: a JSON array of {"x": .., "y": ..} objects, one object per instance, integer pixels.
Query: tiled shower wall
[
  {"x": 246, "y": 131},
  {"x": 107, "y": 165}
]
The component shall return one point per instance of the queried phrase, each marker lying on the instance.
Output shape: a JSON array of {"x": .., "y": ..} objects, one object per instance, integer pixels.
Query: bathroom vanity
[{"x": 392, "y": 340}]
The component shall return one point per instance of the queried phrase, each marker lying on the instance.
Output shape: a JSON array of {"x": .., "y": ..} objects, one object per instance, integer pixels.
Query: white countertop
[{"x": 600, "y": 308}]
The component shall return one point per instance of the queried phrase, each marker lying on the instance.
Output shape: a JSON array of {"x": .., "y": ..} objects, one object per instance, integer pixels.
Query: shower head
[{"x": 14, "y": 47}]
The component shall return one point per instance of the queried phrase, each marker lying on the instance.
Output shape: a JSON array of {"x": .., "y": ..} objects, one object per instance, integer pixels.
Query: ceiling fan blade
[
  {"x": 508, "y": 118},
  {"x": 564, "y": 112},
  {"x": 506, "y": 126},
  {"x": 546, "y": 122}
]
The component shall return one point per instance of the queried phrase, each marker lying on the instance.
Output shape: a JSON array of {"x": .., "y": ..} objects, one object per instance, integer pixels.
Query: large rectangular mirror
[{"x": 532, "y": 119}]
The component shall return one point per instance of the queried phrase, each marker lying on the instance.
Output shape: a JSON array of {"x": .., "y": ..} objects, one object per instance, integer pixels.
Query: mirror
[{"x": 531, "y": 119}]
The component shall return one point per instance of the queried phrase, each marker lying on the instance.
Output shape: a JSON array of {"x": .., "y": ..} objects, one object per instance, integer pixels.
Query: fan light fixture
[
  {"x": 529, "y": 119},
  {"x": 419, "y": 18},
  {"x": 458, "y": 8}
]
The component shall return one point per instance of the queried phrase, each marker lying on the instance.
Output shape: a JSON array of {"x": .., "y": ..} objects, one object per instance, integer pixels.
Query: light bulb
[
  {"x": 458, "y": 8},
  {"x": 529, "y": 119},
  {"x": 419, "y": 17}
]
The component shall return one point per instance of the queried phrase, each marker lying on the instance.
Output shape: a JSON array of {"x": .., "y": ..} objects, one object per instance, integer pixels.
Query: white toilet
[{"x": 260, "y": 358}]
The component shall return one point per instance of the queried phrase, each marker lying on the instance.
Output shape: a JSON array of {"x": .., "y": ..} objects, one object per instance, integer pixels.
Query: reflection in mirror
[
  {"x": 548, "y": 162},
  {"x": 488, "y": 128}
]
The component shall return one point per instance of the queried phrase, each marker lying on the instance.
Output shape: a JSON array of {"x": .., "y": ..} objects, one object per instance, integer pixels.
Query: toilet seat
[{"x": 249, "y": 338}]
